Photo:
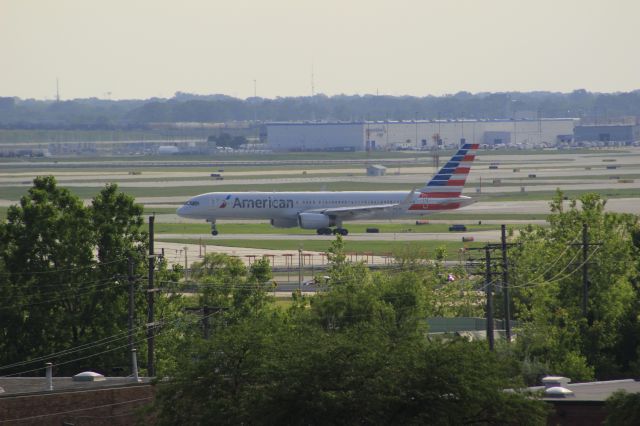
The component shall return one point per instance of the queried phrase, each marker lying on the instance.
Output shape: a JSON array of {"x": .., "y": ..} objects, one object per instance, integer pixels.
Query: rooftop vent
[
  {"x": 558, "y": 392},
  {"x": 554, "y": 381},
  {"x": 88, "y": 376}
]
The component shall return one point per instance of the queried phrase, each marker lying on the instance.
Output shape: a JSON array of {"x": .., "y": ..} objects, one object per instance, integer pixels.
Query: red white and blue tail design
[{"x": 443, "y": 191}]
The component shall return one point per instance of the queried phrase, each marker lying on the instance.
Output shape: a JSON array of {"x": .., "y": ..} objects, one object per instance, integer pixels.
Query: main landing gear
[
  {"x": 328, "y": 231},
  {"x": 214, "y": 229}
]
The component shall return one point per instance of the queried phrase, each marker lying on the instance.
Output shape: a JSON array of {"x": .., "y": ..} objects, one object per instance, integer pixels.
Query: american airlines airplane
[{"x": 326, "y": 211}]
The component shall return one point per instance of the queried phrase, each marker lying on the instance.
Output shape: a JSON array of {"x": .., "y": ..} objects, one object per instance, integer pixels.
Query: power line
[
  {"x": 105, "y": 351},
  {"x": 555, "y": 277},
  {"x": 551, "y": 266},
  {"x": 70, "y": 292},
  {"x": 63, "y": 270},
  {"x": 64, "y": 287},
  {"x": 106, "y": 340}
]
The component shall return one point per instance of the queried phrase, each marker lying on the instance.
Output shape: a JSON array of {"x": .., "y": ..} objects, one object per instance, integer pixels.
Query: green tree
[
  {"x": 273, "y": 369},
  {"x": 623, "y": 409},
  {"x": 228, "y": 286},
  {"x": 547, "y": 288},
  {"x": 117, "y": 224},
  {"x": 65, "y": 273},
  {"x": 176, "y": 327},
  {"x": 357, "y": 353},
  {"x": 47, "y": 244},
  {"x": 227, "y": 141}
]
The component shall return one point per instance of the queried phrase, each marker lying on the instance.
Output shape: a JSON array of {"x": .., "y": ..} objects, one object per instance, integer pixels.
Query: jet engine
[
  {"x": 284, "y": 223},
  {"x": 314, "y": 221}
]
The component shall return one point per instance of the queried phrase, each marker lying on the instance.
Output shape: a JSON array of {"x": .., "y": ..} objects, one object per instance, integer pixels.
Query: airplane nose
[{"x": 180, "y": 210}]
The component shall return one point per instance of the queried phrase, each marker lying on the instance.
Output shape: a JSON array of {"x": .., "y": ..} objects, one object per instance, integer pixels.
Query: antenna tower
[{"x": 313, "y": 88}]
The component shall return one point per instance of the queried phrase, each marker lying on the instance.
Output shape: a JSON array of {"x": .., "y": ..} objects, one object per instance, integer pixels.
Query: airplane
[{"x": 325, "y": 211}]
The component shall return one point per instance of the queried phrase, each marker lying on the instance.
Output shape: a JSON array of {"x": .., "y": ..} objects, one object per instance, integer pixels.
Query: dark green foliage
[
  {"x": 227, "y": 141},
  {"x": 355, "y": 354},
  {"x": 623, "y": 409},
  {"x": 268, "y": 370},
  {"x": 229, "y": 287},
  {"x": 56, "y": 293}
]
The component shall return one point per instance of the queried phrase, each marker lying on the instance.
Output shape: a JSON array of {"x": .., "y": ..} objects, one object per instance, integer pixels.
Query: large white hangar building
[{"x": 421, "y": 134}]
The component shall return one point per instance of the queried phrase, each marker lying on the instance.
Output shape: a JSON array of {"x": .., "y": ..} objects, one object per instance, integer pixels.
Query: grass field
[
  {"x": 150, "y": 208},
  {"x": 380, "y": 248}
]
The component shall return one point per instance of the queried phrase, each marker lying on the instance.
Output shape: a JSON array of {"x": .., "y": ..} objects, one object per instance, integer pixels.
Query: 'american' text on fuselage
[{"x": 265, "y": 203}]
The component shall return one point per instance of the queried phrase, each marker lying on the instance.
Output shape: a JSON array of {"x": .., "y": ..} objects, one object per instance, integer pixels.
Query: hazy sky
[{"x": 145, "y": 48}]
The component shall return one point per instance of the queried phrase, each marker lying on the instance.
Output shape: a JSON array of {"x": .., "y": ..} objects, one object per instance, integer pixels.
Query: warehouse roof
[
  {"x": 15, "y": 386},
  {"x": 592, "y": 391}
]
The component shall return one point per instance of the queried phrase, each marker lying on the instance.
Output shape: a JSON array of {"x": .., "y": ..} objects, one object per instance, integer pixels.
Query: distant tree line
[
  {"x": 108, "y": 114},
  {"x": 225, "y": 140}
]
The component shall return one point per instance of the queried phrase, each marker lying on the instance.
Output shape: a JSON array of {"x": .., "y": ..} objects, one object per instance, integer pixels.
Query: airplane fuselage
[{"x": 288, "y": 205}]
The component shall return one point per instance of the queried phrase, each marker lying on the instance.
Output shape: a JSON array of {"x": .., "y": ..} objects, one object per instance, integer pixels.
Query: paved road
[{"x": 383, "y": 236}]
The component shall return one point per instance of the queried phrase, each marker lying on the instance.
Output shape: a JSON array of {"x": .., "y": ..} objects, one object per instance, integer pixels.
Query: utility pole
[
  {"x": 489, "y": 290},
  {"x": 151, "y": 372},
  {"x": 585, "y": 269},
  {"x": 585, "y": 244},
  {"x": 505, "y": 285},
  {"x": 131, "y": 302},
  {"x": 186, "y": 263}
]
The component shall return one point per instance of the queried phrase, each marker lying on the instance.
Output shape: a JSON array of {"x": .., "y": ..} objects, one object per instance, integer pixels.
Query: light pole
[
  {"x": 415, "y": 119},
  {"x": 300, "y": 269}
]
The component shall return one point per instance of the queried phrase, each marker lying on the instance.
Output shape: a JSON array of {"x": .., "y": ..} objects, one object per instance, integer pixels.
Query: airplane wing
[{"x": 354, "y": 211}]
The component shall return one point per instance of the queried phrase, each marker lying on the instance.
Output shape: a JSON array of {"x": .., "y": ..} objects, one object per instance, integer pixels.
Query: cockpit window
[{"x": 192, "y": 203}]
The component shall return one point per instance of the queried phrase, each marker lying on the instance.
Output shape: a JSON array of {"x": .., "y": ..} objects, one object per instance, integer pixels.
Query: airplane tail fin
[{"x": 450, "y": 180}]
